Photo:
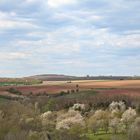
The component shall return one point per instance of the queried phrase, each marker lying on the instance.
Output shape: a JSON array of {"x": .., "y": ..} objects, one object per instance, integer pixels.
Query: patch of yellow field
[{"x": 97, "y": 83}]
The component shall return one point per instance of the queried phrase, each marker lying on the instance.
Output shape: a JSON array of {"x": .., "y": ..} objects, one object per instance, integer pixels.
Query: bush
[
  {"x": 14, "y": 91},
  {"x": 50, "y": 106}
]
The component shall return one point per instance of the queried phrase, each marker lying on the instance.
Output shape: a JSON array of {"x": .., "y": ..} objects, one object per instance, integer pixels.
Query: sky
[{"x": 73, "y": 37}]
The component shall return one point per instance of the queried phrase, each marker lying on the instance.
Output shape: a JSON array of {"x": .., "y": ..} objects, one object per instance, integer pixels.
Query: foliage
[
  {"x": 79, "y": 116},
  {"x": 14, "y": 91},
  {"x": 49, "y": 106}
]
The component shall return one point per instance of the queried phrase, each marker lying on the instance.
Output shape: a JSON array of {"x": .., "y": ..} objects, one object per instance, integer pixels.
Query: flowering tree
[
  {"x": 48, "y": 120},
  {"x": 129, "y": 116},
  {"x": 117, "y": 106},
  {"x": 67, "y": 120},
  {"x": 100, "y": 119}
]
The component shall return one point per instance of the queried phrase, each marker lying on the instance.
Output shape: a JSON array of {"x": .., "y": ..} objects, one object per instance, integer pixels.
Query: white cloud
[
  {"x": 72, "y": 39},
  {"x": 5, "y": 15},
  {"x": 31, "y": 1},
  {"x": 12, "y": 55},
  {"x": 10, "y": 20},
  {"x": 77, "y": 16},
  {"x": 50, "y": 46},
  {"x": 57, "y": 3},
  {"x": 6, "y": 24}
]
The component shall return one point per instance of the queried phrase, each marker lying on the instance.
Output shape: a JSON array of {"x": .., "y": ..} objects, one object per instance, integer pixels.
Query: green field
[{"x": 13, "y": 82}]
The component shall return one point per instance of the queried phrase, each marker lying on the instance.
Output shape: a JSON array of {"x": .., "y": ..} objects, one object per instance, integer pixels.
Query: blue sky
[{"x": 74, "y": 37}]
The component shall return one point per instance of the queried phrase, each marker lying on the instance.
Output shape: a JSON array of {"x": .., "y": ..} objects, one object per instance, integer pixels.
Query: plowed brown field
[{"x": 130, "y": 87}]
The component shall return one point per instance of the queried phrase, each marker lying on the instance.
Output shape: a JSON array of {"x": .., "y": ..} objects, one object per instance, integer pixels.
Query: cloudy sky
[{"x": 75, "y": 37}]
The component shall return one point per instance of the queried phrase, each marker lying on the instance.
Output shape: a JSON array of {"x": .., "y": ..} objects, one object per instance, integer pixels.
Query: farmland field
[
  {"x": 128, "y": 87},
  {"x": 97, "y": 83}
]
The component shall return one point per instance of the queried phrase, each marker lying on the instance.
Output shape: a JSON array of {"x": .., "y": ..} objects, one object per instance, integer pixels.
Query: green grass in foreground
[{"x": 91, "y": 136}]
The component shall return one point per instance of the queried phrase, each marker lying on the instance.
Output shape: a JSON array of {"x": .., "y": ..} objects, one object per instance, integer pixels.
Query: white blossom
[
  {"x": 45, "y": 117},
  {"x": 115, "y": 113},
  {"x": 117, "y": 105},
  {"x": 129, "y": 116},
  {"x": 78, "y": 106},
  {"x": 69, "y": 119}
]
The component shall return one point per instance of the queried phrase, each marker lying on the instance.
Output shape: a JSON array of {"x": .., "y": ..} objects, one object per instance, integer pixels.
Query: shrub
[
  {"x": 14, "y": 91},
  {"x": 50, "y": 106}
]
